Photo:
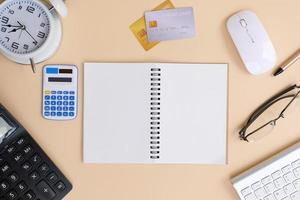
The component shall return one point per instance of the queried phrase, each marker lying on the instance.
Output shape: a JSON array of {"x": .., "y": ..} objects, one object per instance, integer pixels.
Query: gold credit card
[{"x": 139, "y": 27}]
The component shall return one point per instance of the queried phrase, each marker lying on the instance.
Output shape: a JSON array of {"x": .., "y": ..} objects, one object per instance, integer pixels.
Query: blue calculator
[{"x": 60, "y": 91}]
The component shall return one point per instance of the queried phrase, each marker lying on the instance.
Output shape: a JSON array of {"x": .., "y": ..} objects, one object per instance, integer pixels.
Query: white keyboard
[{"x": 277, "y": 178}]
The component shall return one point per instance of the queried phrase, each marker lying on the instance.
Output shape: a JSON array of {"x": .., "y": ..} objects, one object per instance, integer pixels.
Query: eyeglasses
[{"x": 264, "y": 119}]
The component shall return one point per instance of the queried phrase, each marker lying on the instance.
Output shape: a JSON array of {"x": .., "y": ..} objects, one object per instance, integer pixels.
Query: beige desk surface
[{"x": 98, "y": 31}]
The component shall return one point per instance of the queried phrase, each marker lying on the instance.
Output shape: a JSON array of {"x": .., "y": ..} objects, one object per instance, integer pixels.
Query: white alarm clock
[{"x": 30, "y": 30}]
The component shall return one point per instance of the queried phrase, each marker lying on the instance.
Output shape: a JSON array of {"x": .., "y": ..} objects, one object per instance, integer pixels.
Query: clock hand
[
  {"x": 14, "y": 30},
  {"x": 9, "y": 25},
  {"x": 30, "y": 35}
]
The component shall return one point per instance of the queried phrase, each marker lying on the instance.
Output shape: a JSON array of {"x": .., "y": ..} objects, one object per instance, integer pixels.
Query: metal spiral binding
[{"x": 155, "y": 113}]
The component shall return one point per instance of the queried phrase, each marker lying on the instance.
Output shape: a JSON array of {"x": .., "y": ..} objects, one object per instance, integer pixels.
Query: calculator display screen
[
  {"x": 60, "y": 79},
  {"x": 65, "y": 71}
]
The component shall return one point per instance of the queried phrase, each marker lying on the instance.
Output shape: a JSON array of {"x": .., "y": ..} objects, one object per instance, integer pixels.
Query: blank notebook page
[{"x": 155, "y": 113}]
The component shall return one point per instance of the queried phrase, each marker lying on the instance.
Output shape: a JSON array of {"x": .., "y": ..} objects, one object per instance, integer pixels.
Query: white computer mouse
[{"x": 252, "y": 42}]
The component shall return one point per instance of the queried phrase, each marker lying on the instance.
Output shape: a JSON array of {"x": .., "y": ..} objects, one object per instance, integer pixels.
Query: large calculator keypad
[{"x": 60, "y": 104}]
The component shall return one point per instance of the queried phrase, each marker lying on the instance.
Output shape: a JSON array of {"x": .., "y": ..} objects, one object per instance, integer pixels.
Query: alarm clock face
[{"x": 24, "y": 26}]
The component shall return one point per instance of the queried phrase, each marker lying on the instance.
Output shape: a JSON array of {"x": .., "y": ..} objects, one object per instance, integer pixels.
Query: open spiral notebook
[{"x": 155, "y": 113}]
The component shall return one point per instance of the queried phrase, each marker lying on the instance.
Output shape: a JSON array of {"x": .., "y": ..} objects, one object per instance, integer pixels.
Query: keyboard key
[
  {"x": 21, "y": 141},
  {"x": 53, "y": 108},
  {"x": 270, "y": 187},
  {"x": 65, "y": 108},
  {"x": 297, "y": 184},
  {"x": 295, "y": 196},
  {"x": 29, "y": 195},
  {"x": 289, "y": 177},
  {"x": 12, "y": 195},
  {"x": 60, "y": 186},
  {"x": 279, "y": 183},
  {"x": 71, "y": 108},
  {"x": 4, "y": 186},
  {"x": 269, "y": 197},
  {"x": 72, "y": 92},
  {"x": 35, "y": 159},
  {"x": 59, "y": 92},
  {"x": 13, "y": 177},
  {"x": 279, "y": 194},
  {"x": 53, "y": 114},
  {"x": 47, "y": 114},
  {"x": 34, "y": 176},
  {"x": 260, "y": 193},
  {"x": 59, "y": 114},
  {"x": 21, "y": 187},
  {"x": 45, "y": 191},
  {"x": 71, "y": 103},
  {"x": 289, "y": 189},
  {"x": 59, "y": 103},
  {"x": 47, "y": 108},
  {"x": 59, "y": 98},
  {"x": 65, "y": 103},
  {"x": 53, "y": 92},
  {"x": 66, "y": 92},
  {"x": 47, "y": 103},
  {"x": 27, "y": 150},
  {"x": 276, "y": 174},
  {"x": 297, "y": 172},
  {"x": 47, "y": 97},
  {"x": 11, "y": 149},
  {"x": 26, "y": 166},
  {"x": 53, "y": 103},
  {"x": 66, "y": 98},
  {"x": 296, "y": 163},
  {"x": 266, "y": 180},
  {"x": 65, "y": 114},
  {"x": 44, "y": 168},
  {"x": 250, "y": 197},
  {"x": 286, "y": 169},
  {"x": 72, "y": 98},
  {"x": 52, "y": 178},
  {"x": 5, "y": 168},
  {"x": 71, "y": 114},
  {"x": 53, "y": 97}
]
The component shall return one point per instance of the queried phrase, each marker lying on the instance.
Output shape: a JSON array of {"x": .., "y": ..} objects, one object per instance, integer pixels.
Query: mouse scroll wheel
[{"x": 243, "y": 23}]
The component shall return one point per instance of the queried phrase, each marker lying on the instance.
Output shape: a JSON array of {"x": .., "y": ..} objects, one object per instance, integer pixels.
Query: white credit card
[{"x": 170, "y": 24}]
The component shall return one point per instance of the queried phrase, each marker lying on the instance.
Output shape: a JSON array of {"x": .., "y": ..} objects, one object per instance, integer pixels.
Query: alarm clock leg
[{"x": 32, "y": 65}]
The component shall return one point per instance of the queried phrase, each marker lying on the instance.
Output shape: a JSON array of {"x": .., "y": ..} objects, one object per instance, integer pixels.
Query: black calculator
[{"x": 26, "y": 172}]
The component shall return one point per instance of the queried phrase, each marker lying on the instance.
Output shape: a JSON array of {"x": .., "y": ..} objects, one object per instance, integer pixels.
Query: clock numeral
[
  {"x": 26, "y": 46},
  {"x": 41, "y": 34},
  {"x": 43, "y": 25},
  {"x": 7, "y": 38},
  {"x": 11, "y": 12},
  {"x": 3, "y": 29},
  {"x": 4, "y": 20},
  {"x": 30, "y": 9},
  {"x": 40, "y": 15},
  {"x": 35, "y": 43},
  {"x": 15, "y": 45}
]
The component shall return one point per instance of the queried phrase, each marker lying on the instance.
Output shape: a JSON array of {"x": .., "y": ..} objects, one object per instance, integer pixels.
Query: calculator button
[
  {"x": 26, "y": 166},
  {"x": 20, "y": 141},
  {"x": 71, "y": 114},
  {"x": 65, "y": 108},
  {"x": 60, "y": 186},
  {"x": 35, "y": 159},
  {"x": 53, "y": 108},
  {"x": 27, "y": 150},
  {"x": 29, "y": 195},
  {"x": 52, "y": 178},
  {"x": 47, "y": 107},
  {"x": 53, "y": 103},
  {"x": 65, "y": 103},
  {"x": 47, "y": 92},
  {"x": 34, "y": 176},
  {"x": 53, "y": 97},
  {"x": 72, "y": 98},
  {"x": 4, "y": 186},
  {"x": 53, "y": 92},
  {"x": 5, "y": 168},
  {"x": 13, "y": 177},
  {"x": 59, "y": 98},
  {"x": 45, "y": 191},
  {"x": 71, "y": 109},
  {"x": 65, "y": 114},
  {"x": 59, "y": 108},
  {"x": 47, "y": 114},
  {"x": 12, "y": 195},
  {"x": 53, "y": 114},
  {"x": 72, "y": 92},
  {"x": 18, "y": 157},
  {"x": 59, "y": 103},
  {"x": 59, "y": 114},
  {"x": 66, "y": 92},
  {"x": 11, "y": 149},
  {"x": 66, "y": 98},
  {"x": 71, "y": 103},
  {"x": 44, "y": 168},
  {"x": 21, "y": 187},
  {"x": 47, "y": 103},
  {"x": 47, "y": 97}
]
